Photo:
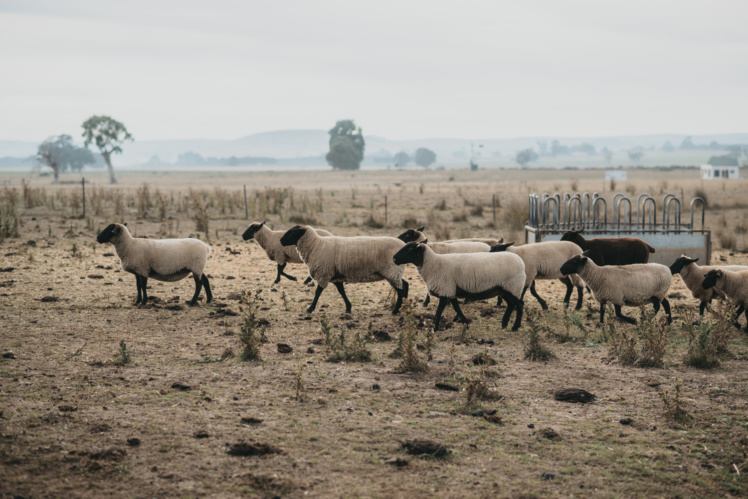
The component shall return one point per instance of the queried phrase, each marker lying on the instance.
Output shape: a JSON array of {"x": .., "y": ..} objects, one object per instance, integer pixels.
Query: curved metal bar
[
  {"x": 676, "y": 214},
  {"x": 626, "y": 202},
  {"x": 652, "y": 204},
  {"x": 703, "y": 210},
  {"x": 596, "y": 213},
  {"x": 554, "y": 212},
  {"x": 565, "y": 205},
  {"x": 639, "y": 212},
  {"x": 533, "y": 214},
  {"x": 587, "y": 201},
  {"x": 615, "y": 204},
  {"x": 664, "y": 205},
  {"x": 575, "y": 202}
]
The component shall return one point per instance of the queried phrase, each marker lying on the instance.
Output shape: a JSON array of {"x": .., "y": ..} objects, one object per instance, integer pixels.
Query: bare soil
[{"x": 187, "y": 417}]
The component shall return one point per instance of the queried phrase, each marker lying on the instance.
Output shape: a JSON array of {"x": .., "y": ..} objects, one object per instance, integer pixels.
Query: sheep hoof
[
  {"x": 348, "y": 310},
  {"x": 309, "y": 310},
  {"x": 192, "y": 303}
]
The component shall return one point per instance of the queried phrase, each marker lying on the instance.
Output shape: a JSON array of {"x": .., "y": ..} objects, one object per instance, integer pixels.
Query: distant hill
[{"x": 291, "y": 144}]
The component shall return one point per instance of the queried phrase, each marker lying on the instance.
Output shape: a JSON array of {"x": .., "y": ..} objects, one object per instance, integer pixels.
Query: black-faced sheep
[
  {"x": 411, "y": 235},
  {"x": 269, "y": 240},
  {"x": 613, "y": 250},
  {"x": 161, "y": 259},
  {"x": 468, "y": 275},
  {"x": 693, "y": 276},
  {"x": 543, "y": 261},
  {"x": 732, "y": 284},
  {"x": 629, "y": 285},
  {"x": 347, "y": 259}
]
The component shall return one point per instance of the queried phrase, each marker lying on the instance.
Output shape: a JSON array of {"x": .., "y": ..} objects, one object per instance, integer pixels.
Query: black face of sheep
[
  {"x": 574, "y": 265},
  {"x": 252, "y": 230},
  {"x": 107, "y": 234},
  {"x": 500, "y": 247},
  {"x": 411, "y": 234},
  {"x": 292, "y": 236},
  {"x": 681, "y": 262},
  {"x": 410, "y": 253},
  {"x": 571, "y": 235},
  {"x": 710, "y": 279}
]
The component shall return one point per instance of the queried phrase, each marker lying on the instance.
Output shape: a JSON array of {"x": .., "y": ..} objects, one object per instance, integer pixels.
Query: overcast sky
[{"x": 402, "y": 69}]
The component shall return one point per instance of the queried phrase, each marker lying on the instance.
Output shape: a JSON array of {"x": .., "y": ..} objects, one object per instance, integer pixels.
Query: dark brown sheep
[{"x": 611, "y": 251}]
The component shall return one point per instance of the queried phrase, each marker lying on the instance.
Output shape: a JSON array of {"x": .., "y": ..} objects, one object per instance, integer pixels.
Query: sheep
[
  {"x": 468, "y": 275},
  {"x": 347, "y": 259},
  {"x": 163, "y": 259},
  {"x": 629, "y": 285},
  {"x": 269, "y": 240},
  {"x": 613, "y": 250},
  {"x": 732, "y": 284},
  {"x": 693, "y": 276},
  {"x": 417, "y": 235},
  {"x": 543, "y": 261}
]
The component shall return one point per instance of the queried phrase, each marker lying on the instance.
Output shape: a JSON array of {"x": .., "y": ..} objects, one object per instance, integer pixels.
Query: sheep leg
[
  {"x": 746, "y": 319},
  {"x": 580, "y": 297},
  {"x": 499, "y": 301},
  {"x": 341, "y": 290},
  {"x": 206, "y": 285},
  {"x": 569, "y": 289},
  {"x": 427, "y": 300},
  {"x": 281, "y": 273},
  {"x": 144, "y": 287},
  {"x": 602, "y": 312},
  {"x": 401, "y": 293},
  {"x": 137, "y": 283},
  {"x": 439, "y": 309},
  {"x": 741, "y": 308},
  {"x": 534, "y": 293},
  {"x": 317, "y": 292},
  {"x": 520, "y": 306},
  {"x": 702, "y": 307},
  {"x": 460, "y": 315},
  {"x": 198, "y": 287},
  {"x": 620, "y": 315},
  {"x": 308, "y": 280},
  {"x": 666, "y": 306},
  {"x": 511, "y": 303}
]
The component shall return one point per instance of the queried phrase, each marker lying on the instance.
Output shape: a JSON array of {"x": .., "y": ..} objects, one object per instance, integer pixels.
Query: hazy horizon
[{"x": 403, "y": 70}]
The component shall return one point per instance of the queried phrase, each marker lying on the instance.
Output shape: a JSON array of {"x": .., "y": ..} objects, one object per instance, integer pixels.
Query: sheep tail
[{"x": 651, "y": 249}]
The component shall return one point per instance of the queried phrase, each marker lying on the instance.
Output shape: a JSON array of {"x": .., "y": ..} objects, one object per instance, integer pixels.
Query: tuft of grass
[
  {"x": 301, "y": 219},
  {"x": 373, "y": 223},
  {"x": 123, "y": 354},
  {"x": 299, "y": 381},
  {"x": 343, "y": 351},
  {"x": 411, "y": 361},
  {"x": 250, "y": 333},
  {"x": 534, "y": 350},
  {"x": 707, "y": 340},
  {"x": 515, "y": 216},
  {"x": 673, "y": 405},
  {"x": 409, "y": 222}
]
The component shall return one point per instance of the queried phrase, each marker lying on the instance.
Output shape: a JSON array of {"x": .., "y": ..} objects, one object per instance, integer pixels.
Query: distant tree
[
  {"x": 635, "y": 154},
  {"x": 425, "y": 157},
  {"x": 584, "y": 148},
  {"x": 725, "y": 160},
  {"x": 382, "y": 156},
  {"x": 526, "y": 156},
  {"x": 60, "y": 154},
  {"x": 668, "y": 146},
  {"x": 607, "y": 154},
  {"x": 190, "y": 158},
  {"x": 558, "y": 150},
  {"x": 108, "y": 134},
  {"x": 543, "y": 147},
  {"x": 688, "y": 143},
  {"x": 401, "y": 159},
  {"x": 346, "y": 146}
]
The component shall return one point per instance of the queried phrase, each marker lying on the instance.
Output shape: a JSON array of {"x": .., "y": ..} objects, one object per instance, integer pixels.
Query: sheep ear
[
  {"x": 263, "y": 223},
  {"x": 694, "y": 260},
  {"x": 509, "y": 244},
  {"x": 501, "y": 241},
  {"x": 586, "y": 253},
  {"x": 425, "y": 241},
  {"x": 125, "y": 224},
  {"x": 421, "y": 228}
]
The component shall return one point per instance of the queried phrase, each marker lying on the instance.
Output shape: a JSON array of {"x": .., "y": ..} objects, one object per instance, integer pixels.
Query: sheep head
[
  {"x": 574, "y": 265},
  {"x": 410, "y": 253},
  {"x": 501, "y": 246},
  {"x": 681, "y": 262},
  {"x": 112, "y": 231},
  {"x": 411, "y": 234},
  {"x": 252, "y": 230},
  {"x": 292, "y": 236},
  {"x": 712, "y": 278}
]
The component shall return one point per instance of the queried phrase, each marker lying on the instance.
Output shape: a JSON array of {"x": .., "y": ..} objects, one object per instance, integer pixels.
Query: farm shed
[{"x": 710, "y": 172}]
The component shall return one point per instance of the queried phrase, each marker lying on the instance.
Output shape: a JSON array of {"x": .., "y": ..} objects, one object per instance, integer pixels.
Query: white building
[
  {"x": 617, "y": 175},
  {"x": 709, "y": 172}
]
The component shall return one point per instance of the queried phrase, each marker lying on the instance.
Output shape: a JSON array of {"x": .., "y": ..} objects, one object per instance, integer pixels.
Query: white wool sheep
[
  {"x": 347, "y": 259},
  {"x": 693, "y": 276},
  {"x": 162, "y": 259},
  {"x": 732, "y": 284},
  {"x": 416, "y": 235},
  {"x": 543, "y": 261},
  {"x": 630, "y": 285},
  {"x": 468, "y": 275},
  {"x": 269, "y": 240}
]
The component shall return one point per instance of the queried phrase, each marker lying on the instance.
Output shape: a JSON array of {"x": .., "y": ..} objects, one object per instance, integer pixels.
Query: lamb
[
  {"x": 732, "y": 284},
  {"x": 693, "y": 277},
  {"x": 473, "y": 275},
  {"x": 417, "y": 235},
  {"x": 613, "y": 250},
  {"x": 347, "y": 259},
  {"x": 630, "y": 285},
  {"x": 543, "y": 261},
  {"x": 269, "y": 240},
  {"x": 163, "y": 259}
]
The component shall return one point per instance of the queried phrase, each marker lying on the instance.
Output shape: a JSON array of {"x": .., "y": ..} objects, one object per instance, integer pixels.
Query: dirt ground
[{"x": 77, "y": 421}]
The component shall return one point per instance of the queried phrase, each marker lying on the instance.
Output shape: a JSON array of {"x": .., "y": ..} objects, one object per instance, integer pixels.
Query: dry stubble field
[{"x": 75, "y": 420}]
